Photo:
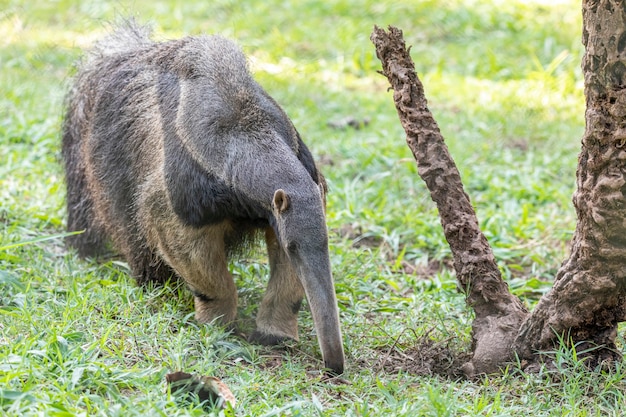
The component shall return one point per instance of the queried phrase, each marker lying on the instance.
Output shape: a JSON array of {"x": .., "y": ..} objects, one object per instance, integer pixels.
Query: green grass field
[{"x": 79, "y": 338}]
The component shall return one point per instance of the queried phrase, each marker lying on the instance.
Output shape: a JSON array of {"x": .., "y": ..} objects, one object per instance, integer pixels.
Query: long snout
[{"x": 320, "y": 292}]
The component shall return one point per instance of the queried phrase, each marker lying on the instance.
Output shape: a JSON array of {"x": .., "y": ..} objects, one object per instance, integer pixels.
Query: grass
[{"x": 78, "y": 338}]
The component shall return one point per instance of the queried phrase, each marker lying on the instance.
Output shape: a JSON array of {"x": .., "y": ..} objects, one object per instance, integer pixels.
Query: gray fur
[{"x": 175, "y": 155}]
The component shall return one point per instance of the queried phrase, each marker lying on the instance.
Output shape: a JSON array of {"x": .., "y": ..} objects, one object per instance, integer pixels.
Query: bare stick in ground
[{"x": 499, "y": 314}]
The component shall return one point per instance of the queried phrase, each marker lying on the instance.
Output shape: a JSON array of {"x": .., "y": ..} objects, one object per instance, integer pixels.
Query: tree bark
[
  {"x": 498, "y": 313},
  {"x": 588, "y": 299}
]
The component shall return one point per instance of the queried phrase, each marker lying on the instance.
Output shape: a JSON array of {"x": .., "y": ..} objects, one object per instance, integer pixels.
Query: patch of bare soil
[
  {"x": 425, "y": 270},
  {"x": 422, "y": 357},
  {"x": 353, "y": 122},
  {"x": 271, "y": 362},
  {"x": 359, "y": 238}
]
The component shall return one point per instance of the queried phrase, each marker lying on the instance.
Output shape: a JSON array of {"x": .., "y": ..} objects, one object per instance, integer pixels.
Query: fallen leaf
[{"x": 207, "y": 388}]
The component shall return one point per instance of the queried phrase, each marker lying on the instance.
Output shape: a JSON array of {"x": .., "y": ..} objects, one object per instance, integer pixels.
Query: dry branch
[{"x": 498, "y": 313}]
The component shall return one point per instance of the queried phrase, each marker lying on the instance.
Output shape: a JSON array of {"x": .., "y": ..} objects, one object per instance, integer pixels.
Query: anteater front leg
[
  {"x": 277, "y": 317},
  {"x": 198, "y": 255}
]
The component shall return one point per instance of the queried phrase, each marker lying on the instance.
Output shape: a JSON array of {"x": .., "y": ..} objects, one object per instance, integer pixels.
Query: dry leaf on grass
[{"x": 207, "y": 388}]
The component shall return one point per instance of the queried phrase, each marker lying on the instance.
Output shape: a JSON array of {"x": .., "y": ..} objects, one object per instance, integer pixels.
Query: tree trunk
[
  {"x": 588, "y": 299},
  {"x": 589, "y": 294}
]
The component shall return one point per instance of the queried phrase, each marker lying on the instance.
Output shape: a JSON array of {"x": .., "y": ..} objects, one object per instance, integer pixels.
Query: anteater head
[{"x": 301, "y": 228}]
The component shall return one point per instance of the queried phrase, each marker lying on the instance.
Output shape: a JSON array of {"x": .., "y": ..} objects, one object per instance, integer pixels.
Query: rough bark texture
[
  {"x": 589, "y": 295},
  {"x": 498, "y": 313}
]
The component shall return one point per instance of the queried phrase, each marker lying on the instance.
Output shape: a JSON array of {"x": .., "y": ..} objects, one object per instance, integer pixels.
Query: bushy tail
[{"x": 80, "y": 103}]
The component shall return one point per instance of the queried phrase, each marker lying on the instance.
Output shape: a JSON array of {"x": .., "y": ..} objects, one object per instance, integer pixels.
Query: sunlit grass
[{"x": 503, "y": 80}]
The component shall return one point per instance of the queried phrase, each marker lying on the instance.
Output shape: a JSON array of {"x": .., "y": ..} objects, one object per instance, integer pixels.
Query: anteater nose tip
[{"x": 334, "y": 369}]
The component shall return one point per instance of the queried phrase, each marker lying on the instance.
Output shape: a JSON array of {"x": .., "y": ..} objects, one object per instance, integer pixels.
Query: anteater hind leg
[
  {"x": 198, "y": 255},
  {"x": 147, "y": 266},
  {"x": 277, "y": 317}
]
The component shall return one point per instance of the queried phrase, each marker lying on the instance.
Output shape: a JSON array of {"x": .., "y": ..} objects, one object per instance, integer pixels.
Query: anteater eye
[{"x": 293, "y": 247}]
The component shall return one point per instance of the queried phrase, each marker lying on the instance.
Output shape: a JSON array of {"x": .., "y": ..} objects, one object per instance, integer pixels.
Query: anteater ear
[{"x": 281, "y": 201}]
